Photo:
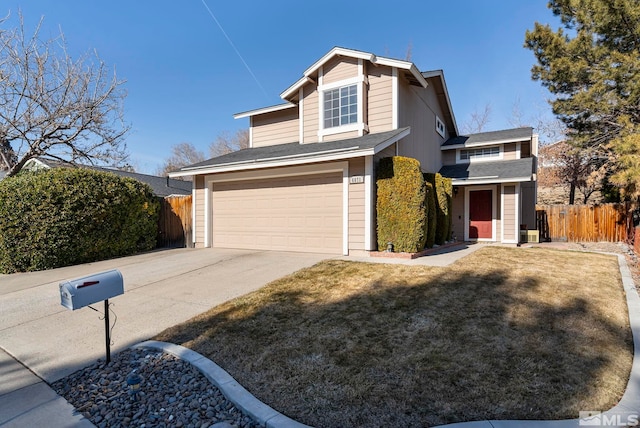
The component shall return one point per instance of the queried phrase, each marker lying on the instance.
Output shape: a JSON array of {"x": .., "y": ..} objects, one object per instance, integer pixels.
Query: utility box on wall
[{"x": 78, "y": 293}]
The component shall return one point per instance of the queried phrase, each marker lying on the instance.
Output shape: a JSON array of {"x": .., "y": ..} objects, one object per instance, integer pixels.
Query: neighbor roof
[
  {"x": 161, "y": 186},
  {"x": 296, "y": 153},
  {"x": 484, "y": 138},
  {"x": 490, "y": 172}
]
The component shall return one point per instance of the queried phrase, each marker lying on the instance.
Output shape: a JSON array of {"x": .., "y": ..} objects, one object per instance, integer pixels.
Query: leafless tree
[
  {"x": 54, "y": 105},
  {"x": 182, "y": 154},
  {"x": 226, "y": 143},
  {"x": 478, "y": 121},
  {"x": 564, "y": 164}
]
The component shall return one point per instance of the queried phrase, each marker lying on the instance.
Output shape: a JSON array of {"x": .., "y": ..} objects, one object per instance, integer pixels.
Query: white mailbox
[{"x": 78, "y": 293}]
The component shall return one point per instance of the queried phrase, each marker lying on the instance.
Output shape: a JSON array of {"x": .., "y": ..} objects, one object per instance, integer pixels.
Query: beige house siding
[
  {"x": 386, "y": 153},
  {"x": 277, "y": 127},
  {"x": 449, "y": 157},
  {"x": 380, "y": 106},
  {"x": 510, "y": 151},
  {"x": 199, "y": 207},
  {"x": 341, "y": 136},
  {"x": 356, "y": 206},
  {"x": 417, "y": 108},
  {"x": 339, "y": 68},
  {"x": 311, "y": 114},
  {"x": 509, "y": 210}
]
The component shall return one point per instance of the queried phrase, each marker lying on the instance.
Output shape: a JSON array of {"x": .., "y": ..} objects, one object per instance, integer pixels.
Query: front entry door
[{"x": 480, "y": 214}]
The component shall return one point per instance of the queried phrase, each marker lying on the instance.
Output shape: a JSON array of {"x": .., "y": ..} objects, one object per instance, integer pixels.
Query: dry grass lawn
[{"x": 505, "y": 333}]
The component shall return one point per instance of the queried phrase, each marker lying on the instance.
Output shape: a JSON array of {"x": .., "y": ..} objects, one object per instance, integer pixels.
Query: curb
[
  {"x": 230, "y": 388},
  {"x": 629, "y": 404}
]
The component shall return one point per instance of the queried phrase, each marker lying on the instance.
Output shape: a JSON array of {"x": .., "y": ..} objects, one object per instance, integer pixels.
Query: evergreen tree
[{"x": 592, "y": 67}]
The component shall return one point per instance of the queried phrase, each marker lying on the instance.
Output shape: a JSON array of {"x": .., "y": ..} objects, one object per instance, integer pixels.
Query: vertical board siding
[
  {"x": 175, "y": 222},
  {"x": 509, "y": 210},
  {"x": 380, "y": 107},
  {"x": 585, "y": 223}
]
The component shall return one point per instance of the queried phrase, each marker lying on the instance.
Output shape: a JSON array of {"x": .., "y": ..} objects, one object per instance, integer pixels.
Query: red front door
[{"x": 480, "y": 213}]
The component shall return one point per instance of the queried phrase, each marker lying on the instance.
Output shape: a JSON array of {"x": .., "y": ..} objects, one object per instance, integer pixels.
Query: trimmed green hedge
[
  {"x": 67, "y": 216},
  {"x": 431, "y": 215},
  {"x": 444, "y": 205},
  {"x": 400, "y": 204}
]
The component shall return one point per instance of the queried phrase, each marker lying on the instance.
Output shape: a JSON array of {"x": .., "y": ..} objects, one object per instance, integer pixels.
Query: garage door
[{"x": 302, "y": 213}]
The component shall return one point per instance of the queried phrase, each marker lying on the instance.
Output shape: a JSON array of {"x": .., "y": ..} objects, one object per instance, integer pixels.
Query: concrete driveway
[{"x": 162, "y": 289}]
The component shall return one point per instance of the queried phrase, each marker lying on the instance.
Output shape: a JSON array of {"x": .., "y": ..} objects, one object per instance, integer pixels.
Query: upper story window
[
  {"x": 440, "y": 127},
  {"x": 480, "y": 153},
  {"x": 341, "y": 106}
]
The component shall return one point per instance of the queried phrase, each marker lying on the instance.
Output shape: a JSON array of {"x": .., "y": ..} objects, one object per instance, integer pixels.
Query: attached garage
[
  {"x": 293, "y": 213},
  {"x": 316, "y": 198}
]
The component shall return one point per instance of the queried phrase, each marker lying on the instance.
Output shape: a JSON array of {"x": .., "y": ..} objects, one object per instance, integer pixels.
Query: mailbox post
[{"x": 81, "y": 292}]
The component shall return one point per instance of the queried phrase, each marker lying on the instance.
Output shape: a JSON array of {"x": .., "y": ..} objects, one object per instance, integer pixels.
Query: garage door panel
[{"x": 294, "y": 213}]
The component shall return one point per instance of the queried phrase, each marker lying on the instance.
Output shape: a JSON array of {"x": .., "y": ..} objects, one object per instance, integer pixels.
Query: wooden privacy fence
[
  {"x": 174, "y": 224},
  {"x": 585, "y": 223}
]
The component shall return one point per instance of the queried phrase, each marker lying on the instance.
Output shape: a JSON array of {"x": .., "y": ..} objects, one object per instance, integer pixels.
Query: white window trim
[
  {"x": 301, "y": 115},
  {"x": 394, "y": 97},
  {"x": 359, "y": 126},
  {"x": 516, "y": 232},
  {"x": 444, "y": 128},
  {"x": 467, "y": 190},
  {"x": 490, "y": 159},
  {"x": 193, "y": 212}
]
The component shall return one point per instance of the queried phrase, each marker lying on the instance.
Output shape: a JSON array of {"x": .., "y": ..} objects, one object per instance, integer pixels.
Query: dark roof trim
[
  {"x": 509, "y": 171},
  {"x": 488, "y": 138},
  {"x": 295, "y": 154}
]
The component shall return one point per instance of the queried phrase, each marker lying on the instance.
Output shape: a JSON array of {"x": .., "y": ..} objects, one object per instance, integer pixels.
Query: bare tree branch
[
  {"x": 478, "y": 121},
  {"x": 54, "y": 105}
]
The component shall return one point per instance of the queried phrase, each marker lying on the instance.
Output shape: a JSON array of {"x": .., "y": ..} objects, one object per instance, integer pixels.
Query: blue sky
[{"x": 185, "y": 80}]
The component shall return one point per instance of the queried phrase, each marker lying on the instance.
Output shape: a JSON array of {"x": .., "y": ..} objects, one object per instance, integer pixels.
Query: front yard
[{"x": 503, "y": 334}]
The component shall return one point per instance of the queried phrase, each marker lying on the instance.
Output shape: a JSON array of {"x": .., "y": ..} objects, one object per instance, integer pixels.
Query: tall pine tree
[{"x": 592, "y": 67}]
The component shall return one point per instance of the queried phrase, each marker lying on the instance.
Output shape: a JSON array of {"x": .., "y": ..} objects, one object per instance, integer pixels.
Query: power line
[{"x": 235, "y": 49}]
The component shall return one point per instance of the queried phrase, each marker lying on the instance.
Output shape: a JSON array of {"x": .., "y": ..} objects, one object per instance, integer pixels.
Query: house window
[
  {"x": 440, "y": 127},
  {"x": 480, "y": 153},
  {"x": 341, "y": 106}
]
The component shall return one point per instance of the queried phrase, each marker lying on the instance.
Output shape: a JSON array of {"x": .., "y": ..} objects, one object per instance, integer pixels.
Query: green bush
[
  {"x": 444, "y": 205},
  {"x": 431, "y": 215},
  {"x": 67, "y": 216},
  {"x": 400, "y": 204}
]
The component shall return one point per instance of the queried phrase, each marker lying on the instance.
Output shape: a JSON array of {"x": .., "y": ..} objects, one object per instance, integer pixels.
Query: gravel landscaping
[{"x": 172, "y": 393}]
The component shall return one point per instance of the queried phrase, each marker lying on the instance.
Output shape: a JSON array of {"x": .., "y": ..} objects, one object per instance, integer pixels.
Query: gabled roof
[
  {"x": 413, "y": 73},
  {"x": 161, "y": 186},
  {"x": 443, "y": 96},
  {"x": 487, "y": 138},
  {"x": 502, "y": 171},
  {"x": 295, "y": 153}
]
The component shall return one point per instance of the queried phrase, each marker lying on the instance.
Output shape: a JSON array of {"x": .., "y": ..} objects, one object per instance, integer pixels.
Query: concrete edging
[
  {"x": 230, "y": 388},
  {"x": 629, "y": 404}
]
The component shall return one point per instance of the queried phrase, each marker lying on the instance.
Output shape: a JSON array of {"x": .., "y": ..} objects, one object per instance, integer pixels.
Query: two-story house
[{"x": 307, "y": 181}]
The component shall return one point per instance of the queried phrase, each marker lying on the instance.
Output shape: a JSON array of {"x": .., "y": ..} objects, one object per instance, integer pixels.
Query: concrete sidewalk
[{"x": 41, "y": 341}]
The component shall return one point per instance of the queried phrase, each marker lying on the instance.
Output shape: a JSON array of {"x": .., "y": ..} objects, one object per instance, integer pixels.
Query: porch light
[{"x": 455, "y": 190}]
